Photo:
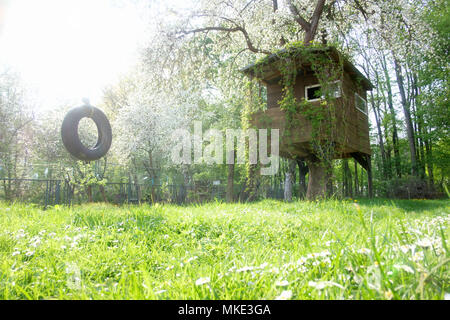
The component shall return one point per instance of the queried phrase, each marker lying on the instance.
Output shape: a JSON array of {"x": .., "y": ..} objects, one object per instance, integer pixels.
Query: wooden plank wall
[{"x": 350, "y": 130}]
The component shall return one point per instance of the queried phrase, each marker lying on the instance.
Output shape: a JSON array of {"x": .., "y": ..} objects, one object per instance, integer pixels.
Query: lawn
[{"x": 365, "y": 249}]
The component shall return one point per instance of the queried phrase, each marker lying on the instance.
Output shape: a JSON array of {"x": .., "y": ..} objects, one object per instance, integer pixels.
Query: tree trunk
[
  {"x": 230, "y": 182},
  {"x": 302, "y": 171},
  {"x": 407, "y": 113},
  {"x": 102, "y": 191},
  {"x": 429, "y": 161},
  {"x": 152, "y": 172},
  {"x": 348, "y": 191},
  {"x": 376, "y": 111},
  {"x": 186, "y": 179},
  {"x": 369, "y": 177},
  {"x": 394, "y": 122},
  {"x": 89, "y": 192},
  {"x": 289, "y": 180},
  {"x": 317, "y": 182}
]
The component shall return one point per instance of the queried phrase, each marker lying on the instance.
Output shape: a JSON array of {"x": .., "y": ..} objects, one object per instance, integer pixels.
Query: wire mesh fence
[{"x": 49, "y": 192}]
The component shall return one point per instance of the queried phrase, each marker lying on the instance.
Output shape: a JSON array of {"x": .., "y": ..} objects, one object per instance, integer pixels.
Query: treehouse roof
[{"x": 266, "y": 69}]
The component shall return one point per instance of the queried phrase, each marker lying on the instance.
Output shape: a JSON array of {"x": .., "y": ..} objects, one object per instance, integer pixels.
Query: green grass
[{"x": 379, "y": 249}]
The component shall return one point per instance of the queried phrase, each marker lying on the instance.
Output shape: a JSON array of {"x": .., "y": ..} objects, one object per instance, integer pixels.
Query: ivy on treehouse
[{"x": 322, "y": 117}]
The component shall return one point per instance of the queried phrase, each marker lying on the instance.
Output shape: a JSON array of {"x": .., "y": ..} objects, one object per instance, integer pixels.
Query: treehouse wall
[{"x": 350, "y": 130}]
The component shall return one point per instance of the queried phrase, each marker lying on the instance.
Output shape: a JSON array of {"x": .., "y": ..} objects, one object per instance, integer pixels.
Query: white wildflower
[
  {"x": 323, "y": 284},
  {"x": 425, "y": 243},
  {"x": 275, "y": 270},
  {"x": 285, "y": 295},
  {"x": 244, "y": 269},
  {"x": 160, "y": 291},
  {"x": 364, "y": 251},
  {"x": 282, "y": 283},
  {"x": 404, "y": 268},
  {"x": 202, "y": 281},
  {"x": 324, "y": 253},
  {"x": 191, "y": 259},
  {"x": 418, "y": 256}
]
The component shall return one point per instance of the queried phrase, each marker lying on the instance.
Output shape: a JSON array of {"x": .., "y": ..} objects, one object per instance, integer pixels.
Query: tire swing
[{"x": 71, "y": 139}]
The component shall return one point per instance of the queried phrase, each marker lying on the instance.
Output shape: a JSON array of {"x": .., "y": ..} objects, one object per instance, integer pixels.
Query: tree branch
[
  {"x": 315, "y": 21},
  {"x": 297, "y": 17},
  {"x": 244, "y": 32}
]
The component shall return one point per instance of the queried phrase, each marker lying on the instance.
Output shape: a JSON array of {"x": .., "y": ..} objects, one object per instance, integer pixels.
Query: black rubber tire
[{"x": 71, "y": 139}]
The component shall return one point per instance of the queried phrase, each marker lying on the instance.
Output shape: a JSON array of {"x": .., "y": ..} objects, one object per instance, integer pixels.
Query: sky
[{"x": 65, "y": 50}]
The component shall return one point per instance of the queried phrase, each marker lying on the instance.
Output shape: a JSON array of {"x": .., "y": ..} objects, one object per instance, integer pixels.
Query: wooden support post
[
  {"x": 369, "y": 177},
  {"x": 365, "y": 161}
]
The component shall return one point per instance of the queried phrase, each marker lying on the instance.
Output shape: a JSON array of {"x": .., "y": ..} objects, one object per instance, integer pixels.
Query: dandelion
[
  {"x": 29, "y": 253},
  {"x": 388, "y": 294},
  {"x": 285, "y": 295},
  {"x": 202, "y": 281},
  {"x": 15, "y": 253}
]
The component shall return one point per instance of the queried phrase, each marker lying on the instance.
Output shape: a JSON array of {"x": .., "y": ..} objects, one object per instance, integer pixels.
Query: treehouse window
[
  {"x": 360, "y": 103},
  {"x": 336, "y": 89},
  {"x": 314, "y": 92}
]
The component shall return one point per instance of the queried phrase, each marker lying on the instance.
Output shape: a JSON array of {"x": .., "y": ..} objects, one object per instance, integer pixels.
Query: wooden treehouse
[{"x": 346, "y": 125}]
